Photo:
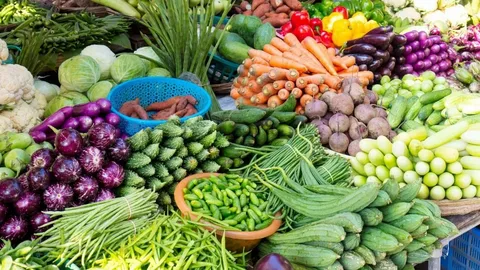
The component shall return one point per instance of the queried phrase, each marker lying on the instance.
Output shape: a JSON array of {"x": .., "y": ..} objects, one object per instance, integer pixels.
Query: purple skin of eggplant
[
  {"x": 38, "y": 136},
  {"x": 91, "y": 109},
  {"x": 85, "y": 122},
  {"x": 113, "y": 119},
  {"x": 105, "y": 105},
  {"x": 71, "y": 122},
  {"x": 273, "y": 261},
  {"x": 55, "y": 120}
]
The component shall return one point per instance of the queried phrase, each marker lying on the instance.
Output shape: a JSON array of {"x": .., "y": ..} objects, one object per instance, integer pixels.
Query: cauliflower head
[
  {"x": 16, "y": 83},
  {"x": 23, "y": 116},
  {"x": 3, "y": 51},
  {"x": 437, "y": 15},
  {"x": 425, "y": 6},
  {"x": 396, "y": 5},
  {"x": 408, "y": 13},
  {"x": 457, "y": 16}
]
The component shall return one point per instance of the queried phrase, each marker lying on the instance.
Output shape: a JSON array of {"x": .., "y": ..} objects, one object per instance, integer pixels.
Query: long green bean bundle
[
  {"x": 81, "y": 234},
  {"x": 171, "y": 242}
]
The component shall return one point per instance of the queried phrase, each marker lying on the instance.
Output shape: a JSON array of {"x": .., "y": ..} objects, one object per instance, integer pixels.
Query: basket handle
[{"x": 15, "y": 48}]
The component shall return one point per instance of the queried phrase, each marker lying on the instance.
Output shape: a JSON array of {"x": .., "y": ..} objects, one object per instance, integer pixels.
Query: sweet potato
[
  {"x": 181, "y": 113},
  {"x": 191, "y": 100},
  {"x": 158, "y": 106},
  {"x": 140, "y": 111},
  {"x": 248, "y": 13},
  {"x": 190, "y": 110},
  {"x": 256, "y": 3},
  {"x": 163, "y": 115},
  {"x": 261, "y": 10},
  {"x": 127, "y": 106},
  {"x": 181, "y": 104},
  {"x": 283, "y": 9},
  {"x": 276, "y": 3},
  {"x": 134, "y": 115},
  {"x": 244, "y": 5},
  {"x": 293, "y": 4},
  {"x": 276, "y": 21}
]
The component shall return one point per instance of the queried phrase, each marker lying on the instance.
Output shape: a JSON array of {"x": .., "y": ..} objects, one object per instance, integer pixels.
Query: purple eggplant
[
  {"x": 66, "y": 169},
  {"x": 443, "y": 46},
  {"x": 363, "y": 48},
  {"x": 362, "y": 59},
  {"x": 399, "y": 40},
  {"x": 381, "y": 30},
  {"x": 38, "y": 220},
  {"x": 55, "y": 120},
  {"x": 14, "y": 229},
  {"x": 420, "y": 55},
  {"x": 444, "y": 65},
  {"x": 68, "y": 142},
  {"x": 381, "y": 55},
  {"x": 411, "y": 58},
  {"x": 433, "y": 58},
  {"x": 408, "y": 50},
  {"x": 104, "y": 194},
  {"x": 71, "y": 122},
  {"x": 419, "y": 66},
  {"x": 86, "y": 189},
  {"x": 105, "y": 105},
  {"x": 411, "y": 36},
  {"x": 111, "y": 175},
  {"x": 98, "y": 120},
  {"x": 375, "y": 65},
  {"x": 58, "y": 196},
  {"x": 3, "y": 212},
  {"x": 23, "y": 180},
  {"x": 119, "y": 150},
  {"x": 67, "y": 111},
  {"x": 273, "y": 261},
  {"x": 415, "y": 45},
  {"x": 91, "y": 109},
  {"x": 401, "y": 60},
  {"x": 113, "y": 119},
  {"x": 10, "y": 190},
  {"x": 390, "y": 49},
  {"x": 427, "y": 63},
  {"x": 102, "y": 135},
  {"x": 28, "y": 204},
  {"x": 378, "y": 40},
  {"x": 399, "y": 51},
  {"x": 91, "y": 159},
  {"x": 38, "y": 136},
  {"x": 435, "y": 39},
  {"x": 38, "y": 178},
  {"x": 435, "y": 68},
  {"x": 363, "y": 67},
  {"x": 85, "y": 123},
  {"x": 427, "y": 52}
]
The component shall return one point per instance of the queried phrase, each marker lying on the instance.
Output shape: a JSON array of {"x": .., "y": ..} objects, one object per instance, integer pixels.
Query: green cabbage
[
  {"x": 104, "y": 57},
  {"x": 159, "y": 72},
  {"x": 100, "y": 90},
  {"x": 79, "y": 73},
  {"x": 127, "y": 67},
  {"x": 149, "y": 53},
  {"x": 47, "y": 89},
  {"x": 63, "y": 100}
]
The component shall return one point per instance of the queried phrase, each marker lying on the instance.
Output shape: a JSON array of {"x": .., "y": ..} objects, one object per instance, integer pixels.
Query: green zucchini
[
  {"x": 397, "y": 112},
  {"x": 246, "y": 116},
  {"x": 352, "y": 260},
  {"x": 272, "y": 134},
  {"x": 299, "y": 119},
  {"x": 402, "y": 236},
  {"x": 425, "y": 112},
  {"x": 231, "y": 152},
  {"x": 275, "y": 121},
  {"x": 287, "y": 106},
  {"x": 434, "y": 96},
  {"x": 249, "y": 141}
]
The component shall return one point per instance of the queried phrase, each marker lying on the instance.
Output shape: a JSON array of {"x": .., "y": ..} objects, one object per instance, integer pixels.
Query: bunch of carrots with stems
[{"x": 289, "y": 67}]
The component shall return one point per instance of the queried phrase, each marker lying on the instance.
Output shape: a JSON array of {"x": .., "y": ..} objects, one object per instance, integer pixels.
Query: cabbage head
[
  {"x": 63, "y": 100},
  {"x": 127, "y": 67},
  {"x": 47, "y": 89},
  {"x": 100, "y": 90},
  {"x": 104, "y": 57},
  {"x": 159, "y": 72},
  {"x": 149, "y": 53},
  {"x": 79, "y": 73}
]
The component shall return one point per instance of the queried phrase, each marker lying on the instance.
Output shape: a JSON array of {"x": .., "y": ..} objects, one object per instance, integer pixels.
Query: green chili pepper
[{"x": 263, "y": 225}]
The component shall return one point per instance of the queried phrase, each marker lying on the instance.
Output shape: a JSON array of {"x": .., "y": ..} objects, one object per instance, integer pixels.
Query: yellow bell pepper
[
  {"x": 341, "y": 25},
  {"x": 359, "y": 17},
  {"x": 341, "y": 36},
  {"x": 370, "y": 25},
  {"x": 358, "y": 29},
  {"x": 329, "y": 20}
]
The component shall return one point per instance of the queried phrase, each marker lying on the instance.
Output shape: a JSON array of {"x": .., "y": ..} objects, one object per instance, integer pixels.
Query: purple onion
[
  {"x": 38, "y": 178},
  {"x": 10, "y": 190},
  {"x": 105, "y": 105},
  {"x": 435, "y": 49},
  {"x": 415, "y": 45},
  {"x": 3, "y": 212},
  {"x": 435, "y": 68},
  {"x": 119, "y": 150},
  {"x": 102, "y": 135},
  {"x": 71, "y": 123},
  {"x": 104, "y": 194},
  {"x": 111, "y": 175},
  {"x": 38, "y": 220},
  {"x": 113, "y": 119},
  {"x": 427, "y": 63},
  {"x": 98, "y": 120},
  {"x": 14, "y": 229},
  {"x": 411, "y": 59},
  {"x": 84, "y": 123},
  {"x": 66, "y": 169},
  {"x": 419, "y": 66},
  {"x": 86, "y": 189},
  {"x": 43, "y": 158},
  {"x": 420, "y": 55},
  {"x": 28, "y": 203},
  {"x": 408, "y": 50},
  {"x": 57, "y": 197},
  {"x": 91, "y": 159},
  {"x": 23, "y": 180},
  {"x": 68, "y": 142}
]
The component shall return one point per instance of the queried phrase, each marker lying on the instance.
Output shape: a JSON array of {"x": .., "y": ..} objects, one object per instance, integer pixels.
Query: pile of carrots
[
  {"x": 289, "y": 67},
  {"x": 180, "y": 105}
]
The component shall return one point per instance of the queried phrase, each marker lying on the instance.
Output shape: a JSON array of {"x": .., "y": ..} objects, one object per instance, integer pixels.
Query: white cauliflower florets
[
  {"x": 23, "y": 116},
  {"x": 457, "y": 16},
  {"x": 409, "y": 13},
  {"x": 3, "y": 51},
  {"x": 5, "y": 125},
  {"x": 425, "y": 6},
  {"x": 16, "y": 83},
  {"x": 396, "y": 4},
  {"x": 437, "y": 15}
]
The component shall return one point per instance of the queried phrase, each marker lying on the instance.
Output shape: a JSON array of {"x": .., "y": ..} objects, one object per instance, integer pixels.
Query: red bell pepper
[
  {"x": 326, "y": 39},
  {"x": 316, "y": 25},
  {"x": 300, "y": 18},
  {"x": 318, "y": 39},
  {"x": 341, "y": 10},
  {"x": 286, "y": 28},
  {"x": 303, "y": 31}
]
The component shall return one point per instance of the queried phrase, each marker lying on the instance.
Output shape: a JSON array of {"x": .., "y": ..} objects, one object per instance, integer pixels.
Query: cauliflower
[
  {"x": 16, "y": 83},
  {"x": 23, "y": 116},
  {"x": 457, "y": 16},
  {"x": 437, "y": 15},
  {"x": 3, "y": 51},
  {"x": 409, "y": 13},
  {"x": 396, "y": 4},
  {"x": 425, "y": 6}
]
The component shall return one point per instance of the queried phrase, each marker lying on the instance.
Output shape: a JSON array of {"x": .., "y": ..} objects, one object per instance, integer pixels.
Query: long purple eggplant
[
  {"x": 375, "y": 65},
  {"x": 91, "y": 109},
  {"x": 363, "y": 48},
  {"x": 381, "y": 41},
  {"x": 67, "y": 111},
  {"x": 55, "y": 120},
  {"x": 362, "y": 58},
  {"x": 381, "y": 30},
  {"x": 381, "y": 55}
]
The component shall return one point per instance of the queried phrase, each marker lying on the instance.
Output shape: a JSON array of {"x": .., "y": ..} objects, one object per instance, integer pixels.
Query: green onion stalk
[
  {"x": 82, "y": 234},
  {"x": 184, "y": 37},
  {"x": 172, "y": 242}
]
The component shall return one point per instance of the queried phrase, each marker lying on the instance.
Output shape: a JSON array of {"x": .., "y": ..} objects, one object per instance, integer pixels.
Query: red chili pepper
[
  {"x": 326, "y": 39},
  {"x": 300, "y": 18},
  {"x": 342, "y": 10},
  {"x": 286, "y": 28},
  {"x": 316, "y": 25},
  {"x": 303, "y": 31}
]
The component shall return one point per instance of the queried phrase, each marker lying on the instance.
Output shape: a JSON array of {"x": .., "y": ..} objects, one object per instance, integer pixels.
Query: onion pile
[
  {"x": 77, "y": 172},
  {"x": 468, "y": 43}
]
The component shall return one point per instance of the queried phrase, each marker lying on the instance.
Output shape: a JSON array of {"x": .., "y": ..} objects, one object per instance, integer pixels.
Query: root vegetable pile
[
  {"x": 180, "y": 106},
  {"x": 275, "y": 12}
]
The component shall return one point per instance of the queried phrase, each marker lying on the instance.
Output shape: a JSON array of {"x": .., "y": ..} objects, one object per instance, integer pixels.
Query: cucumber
[
  {"x": 299, "y": 119},
  {"x": 241, "y": 130},
  {"x": 279, "y": 142},
  {"x": 410, "y": 125},
  {"x": 274, "y": 120},
  {"x": 425, "y": 112},
  {"x": 434, "y": 96},
  {"x": 272, "y": 134},
  {"x": 249, "y": 141},
  {"x": 434, "y": 118},
  {"x": 413, "y": 110},
  {"x": 285, "y": 130},
  {"x": 263, "y": 36},
  {"x": 234, "y": 51},
  {"x": 397, "y": 112},
  {"x": 226, "y": 127},
  {"x": 261, "y": 137},
  {"x": 284, "y": 117},
  {"x": 402, "y": 236},
  {"x": 266, "y": 124},
  {"x": 246, "y": 116},
  {"x": 231, "y": 152},
  {"x": 287, "y": 106},
  {"x": 352, "y": 260}
]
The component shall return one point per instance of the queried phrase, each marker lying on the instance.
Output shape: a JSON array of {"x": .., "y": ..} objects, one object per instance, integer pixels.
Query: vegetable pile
[
  {"x": 229, "y": 199},
  {"x": 180, "y": 106},
  {"x": 170, "y": 152},
  {"x": 18, "y": 11},
  {"x": 275, "y": 12},
  {"x": 467, "y": 43},
  {"x": 22, "y": 255},
  {"x": 466, "y": 78}
]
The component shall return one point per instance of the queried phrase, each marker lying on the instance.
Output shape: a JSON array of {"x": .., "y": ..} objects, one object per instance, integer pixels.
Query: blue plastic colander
[{"x": 150, "y": 90}]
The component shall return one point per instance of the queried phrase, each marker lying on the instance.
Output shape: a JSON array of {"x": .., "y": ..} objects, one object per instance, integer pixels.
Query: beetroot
[
  {"x": 119, "y": 150},
  {"x": 86, "y": 188},
  {"x": 14, "y": 229},
  {"x": 357, "y": 130},
  {"x": 364, "y": 113},
  {"x": 111, "y": 175},
  {"x": 323, "y": 131},
  {"x": 38, "y": 178},
  {"x": 91, "y": 159},
  {"x": 10, "y": 190},
  {"x": 58, "y": 196},
  {"x": 38, "y": 220},
  {"x": 102, "y": 135},
  {"x": 316, "y": 109},
  {"x": 28, "y": 203},
  {"x": 354, "y": 148},
  {"x": 342, "y": 103},
  {"x": 66, "y": 169},
  {"x": 380, "y": 112},
  {"x": 104, "y": 194},
  {"x": 3, "y": 212},
  {"x": 43, "y": 158},
  {"x": 339, "y": 123},
  {"x": 68, "y": 142},
  {"x": 338, "y": 142},
  {"x": 378, "y": 126}
]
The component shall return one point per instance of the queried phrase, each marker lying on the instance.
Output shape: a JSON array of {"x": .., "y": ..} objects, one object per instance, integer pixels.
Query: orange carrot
[
  {"x": 293, "y": 56},
  {"x": 280, "y": 44},
  {"x": 258, "y": 53},
  {"x": 259, "y": 60},
  {"x": 312, "y": 89},
  {"x": 331, "y": 52},
  {"x": 243, "y": 101},
  {"x": 236, "y": 82},
  {"x": 248, "y": 93},
  {"x": 305, "y": 99},
  {"x": 292, "y": 40},
  {"x": 337, "y": 61},
  {"x": 268, "y": 48},
  {"x": 279, "y": 84},
  {"x": 243, "y": 81},
  {"x": 283, "y": 94},
  {"x": 242, "y": 90},
  {"x": 282, "y": 62},
  {"x": 247, "y": 63},
  {"x": 274, "y": 101},
  {"x": 311, "y": 65},
  {"x": 297, "y": 92},
  {"x": 234, "y": 93},
  {"x": 367, "y": 74},
  {"x": 299, "y": 109},
  {"x": 315, "y": 79},
  {"x": 320, "y": 52},
  {"x": 254, "y": 87},
  {"x": 268, "y": 90},
  {"x": 257, "y": 69},
  {"x": 260, "y": 98},
  {"x": 278, "y": 74},
  {"x": 242, "y": 70},
  {"x": 301, "y": 83},
  {"x": 350, "y": 70},
  {"x": 348, "y": 60},
  {"x": 263, "y": 79},
  {"x": 317, "y": 96},
  {"x": 289, "y": 85},
  {"x": 292, "y": 74},
  {"x": 333, "y": 82}
]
